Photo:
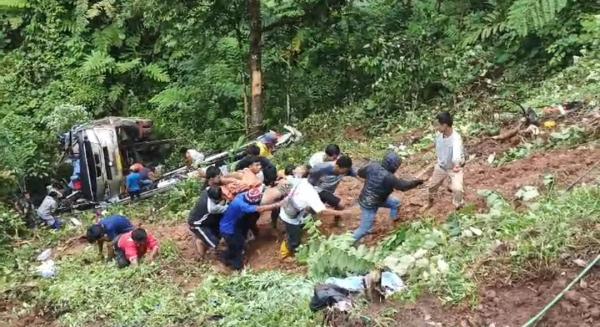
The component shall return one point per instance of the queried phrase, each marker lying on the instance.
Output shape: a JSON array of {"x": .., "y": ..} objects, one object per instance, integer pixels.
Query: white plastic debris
[
  {"x": 443, "y": 266},
  {"x": 527, "y": 193},
  {"x": 75, "y": 222},
  {"x": 47, "y": 269},
  {"x": 167, "y": 182},
  {"x": 343, "y": 306},
  {"x": 45, "y": 255},
  {"x": 391, "y": 283}
]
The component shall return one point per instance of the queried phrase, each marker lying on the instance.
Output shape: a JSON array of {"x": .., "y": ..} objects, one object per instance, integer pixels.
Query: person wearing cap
[
  {"x": 232, "y": 226},
  {"x": 380, "y": 182},
  {"x": 331, "y": 153},
  {"x": 106, "y": 230},
  {"x": 135, "y": 182},
  {"x": 266, "y": 143}
]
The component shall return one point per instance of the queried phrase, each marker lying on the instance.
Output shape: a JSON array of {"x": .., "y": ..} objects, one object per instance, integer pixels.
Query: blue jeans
[{"x": 367, "y": 216}]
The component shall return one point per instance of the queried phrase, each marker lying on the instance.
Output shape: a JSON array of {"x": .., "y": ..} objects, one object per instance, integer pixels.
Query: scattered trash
[
  {"x": 550, "y": 124},
  {"x": 168, "y": 182},
  {"x": 580, "y": 262},
  {"x": 75, "y": 222},
  {"x": 390, "y": 283},
  {"x": 549, "y": 180},
  {"x": 45, "y": 255},
  {"x": 351, "y": 284},
  {"x": 563, "y": 109},
  {"x": 527, "y": 193},
  {"x": 491, "y": 158},
  {"x": 327, "y": 295},
  {"x": 47, "y": 269}
]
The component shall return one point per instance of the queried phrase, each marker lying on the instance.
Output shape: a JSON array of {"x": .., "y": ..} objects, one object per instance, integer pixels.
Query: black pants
[
  {"x": 248, "y": 222},
  {"x": 234, "y": 255},
  {"x": 294, "y": 235},
  {"x": 330, "y": 199},
  {"x": 134, "y": 195},
  {"x": 120, "y": 257},
  {"x": 274, "y": 217}
]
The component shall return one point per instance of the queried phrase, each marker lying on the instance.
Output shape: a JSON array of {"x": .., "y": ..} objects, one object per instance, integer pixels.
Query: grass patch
[{"x": 449, "y": 259}]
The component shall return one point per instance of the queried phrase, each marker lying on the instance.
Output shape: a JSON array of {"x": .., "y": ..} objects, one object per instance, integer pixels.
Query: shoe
[
  {"x": 57, "y": 224},
  {"x": 250, "y": 237}
]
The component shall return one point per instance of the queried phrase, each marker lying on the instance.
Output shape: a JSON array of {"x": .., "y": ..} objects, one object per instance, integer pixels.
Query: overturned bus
[{"x": 102, "y": 151}]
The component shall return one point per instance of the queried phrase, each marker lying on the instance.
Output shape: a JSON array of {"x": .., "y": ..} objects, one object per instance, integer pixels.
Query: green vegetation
[
  {"x": 362, "y": 74},
  {"x": 87, "y": 293},
  {"x": 448, "y": 259}
]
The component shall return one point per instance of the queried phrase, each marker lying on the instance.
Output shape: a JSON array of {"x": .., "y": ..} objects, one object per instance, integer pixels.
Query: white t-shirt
[
  {"x": 302, "y": 197},
  {"x": 316, "y": 158},
  {"x": 196, "y": 156}
]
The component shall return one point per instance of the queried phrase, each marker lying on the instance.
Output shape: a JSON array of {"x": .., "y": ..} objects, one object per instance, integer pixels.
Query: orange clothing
[{"x": 249, "y": 180}]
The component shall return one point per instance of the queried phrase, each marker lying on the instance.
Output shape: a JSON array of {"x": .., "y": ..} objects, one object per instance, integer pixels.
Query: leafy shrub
[
  {"x": 262, "y": 299},
  {"x": 334, "y": 255}
]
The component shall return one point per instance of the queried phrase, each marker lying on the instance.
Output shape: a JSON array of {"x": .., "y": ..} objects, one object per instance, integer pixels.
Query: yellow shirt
[{"x": 264, "y": 150}]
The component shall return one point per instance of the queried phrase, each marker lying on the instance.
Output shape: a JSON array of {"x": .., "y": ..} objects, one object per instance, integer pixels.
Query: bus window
[
  {"x": 98, "y": 165},
  {"x": 107, "y": 163}
]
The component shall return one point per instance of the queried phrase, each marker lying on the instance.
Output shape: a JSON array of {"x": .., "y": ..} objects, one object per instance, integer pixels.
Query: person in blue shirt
[
  {"x": 106, "y": 230},
  {"x": 135, "y": 182},
  {"x": 231, "y": 226}
]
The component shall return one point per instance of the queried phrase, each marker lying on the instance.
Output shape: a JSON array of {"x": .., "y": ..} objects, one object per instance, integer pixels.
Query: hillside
[{"x": 370, "y": 76}]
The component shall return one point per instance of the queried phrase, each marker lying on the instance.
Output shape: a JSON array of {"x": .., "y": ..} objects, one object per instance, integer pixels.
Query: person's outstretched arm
[{"x": 404, "y": 185}]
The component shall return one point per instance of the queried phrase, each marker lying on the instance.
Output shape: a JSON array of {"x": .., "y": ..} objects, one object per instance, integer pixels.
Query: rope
[{"x": 533, "y": 321}]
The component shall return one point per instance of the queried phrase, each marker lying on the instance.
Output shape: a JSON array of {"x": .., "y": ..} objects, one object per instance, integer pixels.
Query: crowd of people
[{"x": 229, "y": 205}]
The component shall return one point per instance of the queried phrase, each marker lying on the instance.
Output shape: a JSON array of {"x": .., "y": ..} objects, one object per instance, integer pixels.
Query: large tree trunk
[{"x": 256, "y": 66}]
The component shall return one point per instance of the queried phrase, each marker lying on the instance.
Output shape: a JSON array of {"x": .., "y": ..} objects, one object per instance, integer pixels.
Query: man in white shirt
[
  {"x": 331, "y": 153},
  {"x": 47, "y": 210},
  {"x": 302, "y": 201},
  {"x": 450, "y": 161}
]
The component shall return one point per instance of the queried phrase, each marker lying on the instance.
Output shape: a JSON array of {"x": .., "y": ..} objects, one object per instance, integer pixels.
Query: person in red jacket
[{"x": 131, "y": 247}]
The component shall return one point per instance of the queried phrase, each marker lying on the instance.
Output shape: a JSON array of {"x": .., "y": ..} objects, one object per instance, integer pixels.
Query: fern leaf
[
  {"x": 98, "y": 63},
  {"x": 110, "y": 36},
  {"x": 169, "y": 97},
  {"x": 156, "y": 73},
  {"x": 126, "y": 66},
  {"x": 115, "y": 92},
  {"x": 78, "y": 21},
  {"x": 525, "y": 16}
]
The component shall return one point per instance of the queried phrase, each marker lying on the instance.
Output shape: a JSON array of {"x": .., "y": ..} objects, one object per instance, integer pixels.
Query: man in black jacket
[{"x": 380, "y": 182}]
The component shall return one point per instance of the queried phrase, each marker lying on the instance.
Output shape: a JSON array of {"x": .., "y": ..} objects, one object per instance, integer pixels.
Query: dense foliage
[{"x": 184, "y": 63}]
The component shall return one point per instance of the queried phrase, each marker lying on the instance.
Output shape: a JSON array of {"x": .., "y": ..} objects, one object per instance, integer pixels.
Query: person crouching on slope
[
  {"x": 204, "y": 220},
  {"x": 107, "y": 230},
  {"x": 234, "y": 228},
  {"x": 131, "y": 247},
  {"x": 380, "y": 182}
]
